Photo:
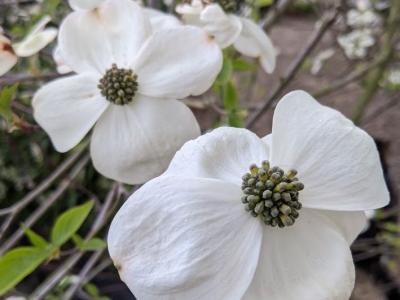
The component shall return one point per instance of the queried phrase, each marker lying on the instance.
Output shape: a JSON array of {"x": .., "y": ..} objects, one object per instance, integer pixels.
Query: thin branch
[
  {"x": 39, "y": 212},
  {"x": 64, "y": 268},
  {"x": 352, "y": 77},
  {"x": 18, "y": 78},
  {"x": 327, "y": 21},
  {"x": 275, "y": 13},
  {"x": 43, "y": 186},
  {"x": 82, "y": 274},
  {"x": 372, "y": 116}
]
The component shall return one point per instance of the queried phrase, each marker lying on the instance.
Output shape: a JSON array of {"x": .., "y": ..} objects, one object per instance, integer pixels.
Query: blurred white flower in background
[
  {"x": 362, "y": 18},
  {"x": 220, "y": 22},
  {"x": 356, "y": 43},
  {"x": 393, "y": 77},
  {"x": 38, "y": 38},
  {"x": 218, "y": 222},
  {"x": 128, "y": 79},
  {"x": 320, "y": 59}
]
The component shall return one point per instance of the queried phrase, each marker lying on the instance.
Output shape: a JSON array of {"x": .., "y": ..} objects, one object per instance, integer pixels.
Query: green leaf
[
  {"x": 263, "y": 3},
  {"x": 89, "y": 245},
  {"x": 6, "y": 97},
  {"x": 242, "y": 65},
  {"x": 35, "y": 238},
  {"x": 18, "y": 263},
  {"x": 230, "y": 96},
  {"x": 93, "y": 244},
  {"x": 226, "y": 73},
  {"x": 69, "y": 222},
  {"x": 235, "y": 120}
]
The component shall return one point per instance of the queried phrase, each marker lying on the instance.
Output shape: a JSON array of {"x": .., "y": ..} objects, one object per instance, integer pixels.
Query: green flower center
[
  {"x": 272, "y": 195},
  {"x": 118, "y": 85}
]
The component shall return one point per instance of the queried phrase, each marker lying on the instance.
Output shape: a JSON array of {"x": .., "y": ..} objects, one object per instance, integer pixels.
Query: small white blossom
[
  {"x": 356, "y": 43},
  {"x": 362, "y": 18},
  {"x": 320, "y": 59},
  {"x": 128, "y": 83},
  {"x": 394, "y": 77},
  {"x": 208, "y": 227},
  {"x": 228, "y": 29}
]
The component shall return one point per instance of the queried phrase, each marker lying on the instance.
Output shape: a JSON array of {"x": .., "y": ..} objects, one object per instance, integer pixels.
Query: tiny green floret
[
  {"x": 272, "y": 194},
  {"x": 118, "y": 85}
]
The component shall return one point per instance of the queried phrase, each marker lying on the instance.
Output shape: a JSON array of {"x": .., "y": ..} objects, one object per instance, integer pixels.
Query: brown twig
[
  {"x": 34, "y": 217},
  {"x": 64, "y": 268},
  {"x": 13, "y": 210},
  {"x": 18, "y": 78},
  {"x": 327, "y": 21},
  {"x": 275, "y": 13}
]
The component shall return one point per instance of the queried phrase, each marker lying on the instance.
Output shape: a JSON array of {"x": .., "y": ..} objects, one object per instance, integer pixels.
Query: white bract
[
  {"x": 8, "y": 58},
  {"x": 362, "y": 18},
  {"x": 356, "y": 43},
  {"x": 38, "y": 38},
  {"x": 186, "y": 234},
  {"x": 228, "y": 29},
  {"x": 128, "y": 79},
  {"x": 158, "y": 21}
]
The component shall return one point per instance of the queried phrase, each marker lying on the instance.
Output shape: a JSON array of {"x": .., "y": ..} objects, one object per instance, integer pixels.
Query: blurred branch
[
  {"x": 11, "y": 79},
  {"x": 69, "y": 294},
  {"x": 275, "y": 13},
  {"x": 354, "y": 76},
  {"x": 327, "y": 21},
  {"x": 34, "y": 216},
  {"x": 64, "y": 268},
  {"x": 13, "y": 211},
  {"x": 385, "y": 55},
  {"x": 391, "y": 103}
]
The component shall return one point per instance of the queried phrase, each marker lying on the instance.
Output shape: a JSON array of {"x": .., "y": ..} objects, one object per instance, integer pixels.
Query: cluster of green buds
[
  {"x": 118, "y": 85},
  {"x": 230, "y": 6},
  {"x": 272, "y": 194}
]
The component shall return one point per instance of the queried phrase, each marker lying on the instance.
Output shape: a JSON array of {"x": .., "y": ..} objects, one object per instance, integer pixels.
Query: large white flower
[
  {"x": 127, "y": 82},
  {"x": 228, "y": 29},
  {"x": 38, "y": 38},
  {"x": 209, "y": 228}
]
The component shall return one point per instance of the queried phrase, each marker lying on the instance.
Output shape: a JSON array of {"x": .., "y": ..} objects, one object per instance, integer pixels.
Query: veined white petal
[
  {"x": 112, "y": 33},
  {"x": 67, "y": 108},
  {"x": 127, "y": 27},
  {"x": 180, "y": 238},
  {"x": 309, "y": 260},
  {"x": 7, "y": 56},
  {"x": 254, "y": 42},
  {"x": 351, "y": 223},
  {"x": 37, "y": 38},
  {"x": 177, "y": 63},
  {"x": 160, "y": 20},
  {"x": 82, "y": 43},
  {"x": 135, "y": 142},
  {"x": 62, "y": 68},
  {"x": 225, "y": 28},
  {"x": 337, "y": 161},
  {"x": 84, "y": 4},
  {"x": 33, "y": 43},
  {"x": 225, "y": 153}
]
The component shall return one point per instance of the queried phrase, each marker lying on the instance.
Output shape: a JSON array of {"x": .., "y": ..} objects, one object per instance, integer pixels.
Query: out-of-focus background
[{"x": 340, "y": 55}]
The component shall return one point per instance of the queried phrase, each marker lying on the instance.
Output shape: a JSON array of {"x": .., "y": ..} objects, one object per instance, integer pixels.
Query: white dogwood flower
[
  {"x": 219, "y": 21},
  {"x": 211, "y": 227},
  {"x": 38, "y": 38},
  {"x": 127, "y": 83}
]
